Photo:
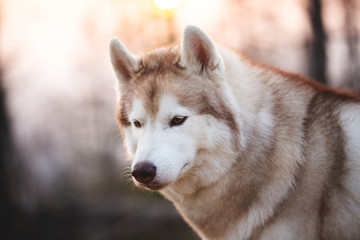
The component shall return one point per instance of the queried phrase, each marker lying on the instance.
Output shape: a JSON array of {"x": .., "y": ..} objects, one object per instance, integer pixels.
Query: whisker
[{"x": 125, "y": 174}]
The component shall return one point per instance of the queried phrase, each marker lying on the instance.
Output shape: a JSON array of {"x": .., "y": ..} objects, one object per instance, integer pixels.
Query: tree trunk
[
  {"x": 6, "y": 206},
  {"x": 352, "y": 77},
  {"x": 317, "y": 44}
]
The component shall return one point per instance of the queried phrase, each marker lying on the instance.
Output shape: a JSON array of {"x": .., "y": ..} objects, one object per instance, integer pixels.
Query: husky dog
[{"x": 243, "y": 150}]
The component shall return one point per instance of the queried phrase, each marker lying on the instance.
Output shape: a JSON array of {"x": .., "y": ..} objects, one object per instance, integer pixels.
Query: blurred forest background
[{"x": 62, "y": 166}]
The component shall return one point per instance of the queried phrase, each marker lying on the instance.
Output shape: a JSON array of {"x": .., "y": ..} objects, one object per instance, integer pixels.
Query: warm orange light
[{"x": 167, "y": 4}]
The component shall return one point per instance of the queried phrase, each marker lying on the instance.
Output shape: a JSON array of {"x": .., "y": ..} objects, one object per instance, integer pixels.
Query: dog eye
[
  {"x": 177, "y": 120},
  {"x": 137, "y": 124}
]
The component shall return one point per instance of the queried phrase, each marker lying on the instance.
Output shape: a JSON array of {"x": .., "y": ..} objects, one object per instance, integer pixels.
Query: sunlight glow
[{"x": 167, "y": 4}]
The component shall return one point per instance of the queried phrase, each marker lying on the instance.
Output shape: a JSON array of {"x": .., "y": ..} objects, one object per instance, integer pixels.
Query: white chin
[{"x": 153, "y": 186}]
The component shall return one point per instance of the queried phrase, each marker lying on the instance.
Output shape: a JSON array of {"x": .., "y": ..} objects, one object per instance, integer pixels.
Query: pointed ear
[
  {"x": 125, "y": 64},
  {"x": 198, "y": 53}
]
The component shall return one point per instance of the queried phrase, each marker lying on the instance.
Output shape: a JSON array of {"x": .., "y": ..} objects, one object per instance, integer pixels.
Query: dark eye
[
  {"x": 137, "y": 124},
  {"x": 177, "y": 120}
]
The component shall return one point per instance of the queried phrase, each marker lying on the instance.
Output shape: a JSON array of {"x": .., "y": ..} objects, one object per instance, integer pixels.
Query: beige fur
[{"x": 263, "y": 154}]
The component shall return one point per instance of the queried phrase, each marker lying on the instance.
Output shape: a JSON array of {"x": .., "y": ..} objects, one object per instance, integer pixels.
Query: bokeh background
[{"x": 63, "y": 173}]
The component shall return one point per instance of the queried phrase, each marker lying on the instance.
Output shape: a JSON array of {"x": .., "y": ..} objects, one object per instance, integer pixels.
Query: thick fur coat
[{"x": 243, "y": 150}]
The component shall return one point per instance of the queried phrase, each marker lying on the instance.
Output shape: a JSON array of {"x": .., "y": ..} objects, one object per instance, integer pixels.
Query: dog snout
[{"x": 144, "y": 172}]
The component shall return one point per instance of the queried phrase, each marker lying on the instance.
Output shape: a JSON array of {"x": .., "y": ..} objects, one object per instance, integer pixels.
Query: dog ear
[
  {"x": 198, "y": 52},
  {"x": 124, "y": 63}
]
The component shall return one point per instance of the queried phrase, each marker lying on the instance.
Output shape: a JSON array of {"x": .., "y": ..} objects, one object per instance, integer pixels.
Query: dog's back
[
  {"x": 322, "y": 127},
  {"x": 303, "y": 156}
]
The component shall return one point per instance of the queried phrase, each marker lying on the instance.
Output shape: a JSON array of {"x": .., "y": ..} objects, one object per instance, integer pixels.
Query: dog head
[{"x": 174, "y": 112}]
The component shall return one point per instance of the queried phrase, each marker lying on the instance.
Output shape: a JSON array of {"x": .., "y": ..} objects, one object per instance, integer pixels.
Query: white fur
[
  {"x": 350, "y": 119},
  {"x": 173, "y": 150},
  {"x": 169, "y": 149}
]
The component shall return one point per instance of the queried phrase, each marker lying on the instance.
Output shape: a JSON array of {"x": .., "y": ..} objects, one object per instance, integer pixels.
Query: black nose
[{"x": 144, "y": 172}]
